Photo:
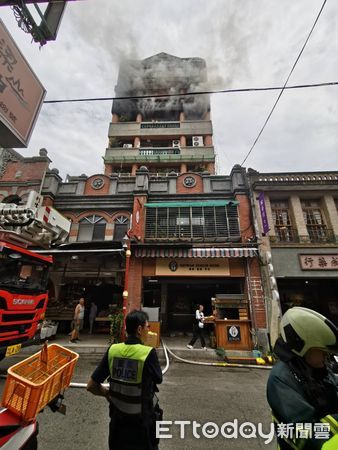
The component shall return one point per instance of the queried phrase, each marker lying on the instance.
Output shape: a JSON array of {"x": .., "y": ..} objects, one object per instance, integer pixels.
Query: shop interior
[{"x": 319, "y": 294}]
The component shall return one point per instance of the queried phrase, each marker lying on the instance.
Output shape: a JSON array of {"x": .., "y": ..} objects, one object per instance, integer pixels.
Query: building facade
[
  {"x": 189, "y": 230},
  {"x": 297, "y": 216}
]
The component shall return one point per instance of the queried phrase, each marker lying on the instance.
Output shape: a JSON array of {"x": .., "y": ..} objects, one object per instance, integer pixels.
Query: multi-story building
[
  {"x": 166, "y": 128},
  {"x": 299, "y": 238},
  {"x": 190, "y": 231}
]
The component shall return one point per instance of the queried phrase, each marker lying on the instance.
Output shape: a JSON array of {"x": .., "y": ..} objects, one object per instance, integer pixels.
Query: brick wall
[
  {"x": 89, "y": 190},
  {"x": 244, "y": 212},
  {"x": 181, "y": 189},
  {"x": 29, "y": 171},
  {"x": 256, "y": 294}
]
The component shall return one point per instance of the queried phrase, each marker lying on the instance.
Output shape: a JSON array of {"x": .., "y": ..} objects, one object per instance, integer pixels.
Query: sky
[{"x": 246, "y": 44}]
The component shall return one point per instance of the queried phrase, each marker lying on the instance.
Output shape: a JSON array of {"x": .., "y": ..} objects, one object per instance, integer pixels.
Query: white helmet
[{"x": 303, "y": 328}]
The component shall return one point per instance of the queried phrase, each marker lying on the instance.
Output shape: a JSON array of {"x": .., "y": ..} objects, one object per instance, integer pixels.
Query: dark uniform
[
  {"x": 131, "y": 368},
  {"x": 300, "y": 394}
]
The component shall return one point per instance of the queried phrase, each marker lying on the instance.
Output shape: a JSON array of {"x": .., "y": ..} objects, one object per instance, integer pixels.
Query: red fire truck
[{"x": 23, "y": 271}]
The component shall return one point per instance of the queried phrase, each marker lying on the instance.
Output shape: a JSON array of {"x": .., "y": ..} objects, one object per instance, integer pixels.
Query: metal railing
[
  {"x": 319, "y": 233},
  {"x": 159, "y": 151},
  {"x": 286, "y": 234}
]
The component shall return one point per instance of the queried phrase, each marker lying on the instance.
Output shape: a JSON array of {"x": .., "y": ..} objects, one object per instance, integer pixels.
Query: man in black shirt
[{"x": 134, "y": 371}]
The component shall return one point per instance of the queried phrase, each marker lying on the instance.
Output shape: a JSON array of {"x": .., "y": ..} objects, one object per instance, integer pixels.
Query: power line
[
  {"x": 223, "y": 91},
  {"x": 281, "y": 92}
]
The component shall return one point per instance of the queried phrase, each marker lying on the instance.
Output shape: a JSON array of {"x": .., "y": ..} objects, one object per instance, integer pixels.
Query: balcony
[
  {"x": 317, "y": 235},
  {"x": 320, "y": 234},
  {"x": 285, "y": 234},
  {"x": 173, "y": 129},
  {"x": 154, "y": 154},
  {"x": 159, "y": 151}
]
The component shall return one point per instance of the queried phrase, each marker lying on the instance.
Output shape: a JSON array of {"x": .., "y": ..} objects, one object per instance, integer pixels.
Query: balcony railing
[
  {"x": 320, "y": 234},
  {"x": 286, "y": 234},
  {"x": 316, "y": 235},
  {"x": 159, "y": 151}
]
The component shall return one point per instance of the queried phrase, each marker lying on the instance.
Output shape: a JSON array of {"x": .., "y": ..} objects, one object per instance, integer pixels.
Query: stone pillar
[
  {"x": 115, "y": 118},
  {"x": 330, "y": 212},
  {"x": 182, "y": 116},
  {"x": 137, "y": 142},
  {"x": 172, "y": 183},
  {"x": 183, "y": 168},
  {"x": 183, "y": 141},
  {"x": 211, "y": 168},
  {"x": 139, "y": 118},
  {"x": 268, "y": 209},
  {"x": 297, "y": 218},
  {"x": 109, "y": 232},
  {"x": 206, "y": 182},
  {"x": 208, "y": 141},
  {"x": 74, "y": 230},
  {"x": 133, "y": 169}
]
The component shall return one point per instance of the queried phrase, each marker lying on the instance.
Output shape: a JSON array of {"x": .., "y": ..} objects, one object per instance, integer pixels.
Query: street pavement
[{"x": 188, "y": 393}]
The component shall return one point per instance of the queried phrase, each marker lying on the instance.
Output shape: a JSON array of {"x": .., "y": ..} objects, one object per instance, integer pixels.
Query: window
[
  {"x": 92, "y": 228},
  {"x": 282, "y": 221},
  {"x": 314, "y": 221},
  {"x": 121, "y": 226},
  {"x": 193, "y": 223}
]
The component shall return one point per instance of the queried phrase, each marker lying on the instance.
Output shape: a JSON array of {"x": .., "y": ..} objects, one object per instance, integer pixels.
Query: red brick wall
[
  {"x": 30, "y": 171},
  {"x": 244, "y": 209},
  {"x": 256, "y": 294},
  {"x": 181, "y": 189},
  {"x": 89, "y": 190}
]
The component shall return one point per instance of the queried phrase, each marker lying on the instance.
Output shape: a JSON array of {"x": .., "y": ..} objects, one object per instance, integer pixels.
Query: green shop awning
[{"x": 192, "y": 204}]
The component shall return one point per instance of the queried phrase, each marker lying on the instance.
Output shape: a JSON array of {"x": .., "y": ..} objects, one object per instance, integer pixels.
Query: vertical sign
[
  {"x": 261, "y": 201},
  {"x": 21, "y": 94}
]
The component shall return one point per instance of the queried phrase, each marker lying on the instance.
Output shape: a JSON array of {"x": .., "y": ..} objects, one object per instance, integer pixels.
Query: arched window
[
  {"x": 121, "y": 226},
  {"x": 92, "y": 228}
]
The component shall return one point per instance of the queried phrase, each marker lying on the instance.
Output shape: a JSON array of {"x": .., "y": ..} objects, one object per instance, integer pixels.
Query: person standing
[
  {"x": 198, "y": 328},
  {"x": 134, "y": 372},
  {"x": 302, "y": 391},
  {"x": 92, "y": 316},
  {"x": 78, "y": 320}
]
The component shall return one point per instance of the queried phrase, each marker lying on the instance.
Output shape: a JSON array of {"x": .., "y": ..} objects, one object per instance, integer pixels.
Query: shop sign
[
  {"x": 262, "y": 209},
  {"x": 21, "y": 94},
  {"x": 234, "y": 333},
  {"x": 192, "y": 267},
  {"x": 319, "y": 262}
]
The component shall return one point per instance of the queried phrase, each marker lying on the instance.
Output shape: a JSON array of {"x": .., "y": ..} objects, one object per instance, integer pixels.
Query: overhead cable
[{"x": 284, "y": 87}]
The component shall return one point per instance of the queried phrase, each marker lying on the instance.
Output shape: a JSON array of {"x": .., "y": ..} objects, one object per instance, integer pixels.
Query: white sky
[{"x": 246, "y": 43}]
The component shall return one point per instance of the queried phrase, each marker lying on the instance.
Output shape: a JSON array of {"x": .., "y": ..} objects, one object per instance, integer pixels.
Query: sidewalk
[{"x": 97, "y": 344}]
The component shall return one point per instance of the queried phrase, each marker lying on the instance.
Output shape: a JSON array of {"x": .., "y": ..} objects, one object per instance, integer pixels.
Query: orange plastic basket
[{"x": 35, "y": 381}]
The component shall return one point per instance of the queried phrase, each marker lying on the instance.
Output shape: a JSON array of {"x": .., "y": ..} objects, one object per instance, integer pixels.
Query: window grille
[
  {"x": 193, "y": 223},
  {"x": 282, "y": 222}
]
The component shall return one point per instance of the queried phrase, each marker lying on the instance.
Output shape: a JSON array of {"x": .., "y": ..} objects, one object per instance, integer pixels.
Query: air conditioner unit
[
  {"x": 127, "y": 145},
  {"x": 176, "y": 143},
  {"x": 197, "y": 141}
]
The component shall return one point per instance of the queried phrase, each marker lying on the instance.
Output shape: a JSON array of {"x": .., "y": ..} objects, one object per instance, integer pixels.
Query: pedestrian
[
  {"x": 78, "y": 320},
  {"x": 302, "y": 391},
  {"x": 92, "y": 316},
  {"x": 134, "y": 371},
  {"x": 198, "y": 327}
]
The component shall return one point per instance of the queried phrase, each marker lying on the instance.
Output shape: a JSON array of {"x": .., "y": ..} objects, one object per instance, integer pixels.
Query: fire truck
[{"x": 23, "y": 271}]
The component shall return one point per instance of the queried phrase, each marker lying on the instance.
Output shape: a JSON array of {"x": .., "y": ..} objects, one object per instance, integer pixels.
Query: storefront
[
  {"x": 92, "y": 271},
  {"x": 178, "y": 280},
  {"x": 309, "y": 279}
]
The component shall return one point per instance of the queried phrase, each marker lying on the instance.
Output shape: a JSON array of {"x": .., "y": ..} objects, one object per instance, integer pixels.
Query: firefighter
[
  {"x": 134, "y": 371},
  {"x": 302, "y": 391}
]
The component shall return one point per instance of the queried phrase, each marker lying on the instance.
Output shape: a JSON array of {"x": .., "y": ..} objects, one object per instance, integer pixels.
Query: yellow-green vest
[{"x": 126, "y": 363}]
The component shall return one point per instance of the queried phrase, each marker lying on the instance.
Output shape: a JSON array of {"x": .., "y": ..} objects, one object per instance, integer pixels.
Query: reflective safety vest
[
  {"x": 300, "y": 443},
  {"x": 126, "y": 363}
]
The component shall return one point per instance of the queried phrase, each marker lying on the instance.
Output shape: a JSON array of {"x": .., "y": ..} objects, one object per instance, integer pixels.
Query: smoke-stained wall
[{"x": 162, "y": 74}]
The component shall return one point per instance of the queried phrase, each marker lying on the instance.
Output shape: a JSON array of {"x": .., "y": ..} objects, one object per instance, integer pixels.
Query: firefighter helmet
[{"x": 303, "y": 328}]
